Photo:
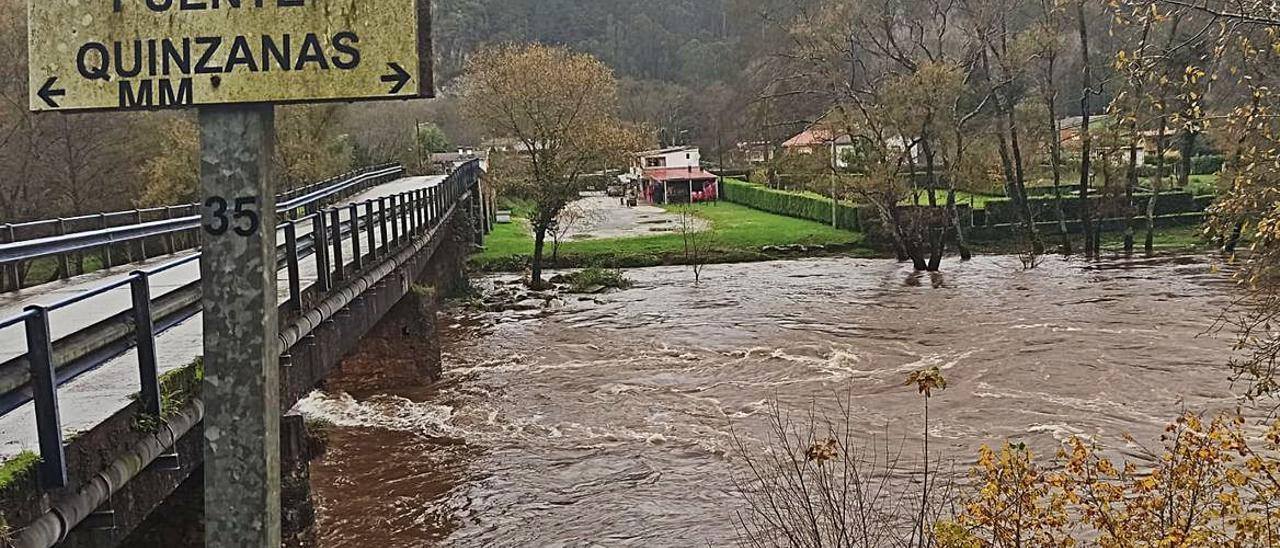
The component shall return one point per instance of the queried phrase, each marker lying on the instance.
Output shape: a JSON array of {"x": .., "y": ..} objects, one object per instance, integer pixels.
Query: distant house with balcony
[
  {"x": 448, "y": 162},
  {"x": 842, "y": 146},
  {"x": 674, "y": 176}
]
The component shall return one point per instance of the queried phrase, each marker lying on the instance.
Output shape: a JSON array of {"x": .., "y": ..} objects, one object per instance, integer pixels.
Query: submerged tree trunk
[
  {"x": 957, "y": 228},
  {"x": 1130, "y": 185},
  {"x": 1156, "y": 183},
  {"x": 539, "y": 247},
  {"x": 1188, "y": 150},
  {"x": 937, "y": 247},
  {"x": 1055, "y": 159},
  {"x": 1086, "y": 137},
  {"x": 931, "y": 171},
  {"x": 908, "y": 243},
  {"x": 1020, "y": 182}
]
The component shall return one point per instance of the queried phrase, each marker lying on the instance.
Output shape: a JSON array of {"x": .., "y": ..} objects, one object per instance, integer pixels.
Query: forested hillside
[{"x": 690, "y": 68}]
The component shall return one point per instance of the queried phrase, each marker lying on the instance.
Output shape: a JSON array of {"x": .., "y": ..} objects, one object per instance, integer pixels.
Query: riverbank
[{"x": 744, "y": 235}]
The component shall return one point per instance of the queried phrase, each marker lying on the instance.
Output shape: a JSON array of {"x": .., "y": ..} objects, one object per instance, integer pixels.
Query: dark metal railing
[
  {"x": 125, "y": 235},
  {"x": 375, "y": 229}
]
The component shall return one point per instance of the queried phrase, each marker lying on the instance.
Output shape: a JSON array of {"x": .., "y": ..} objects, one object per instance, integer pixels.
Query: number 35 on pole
[{"x": 235, "y": 60}]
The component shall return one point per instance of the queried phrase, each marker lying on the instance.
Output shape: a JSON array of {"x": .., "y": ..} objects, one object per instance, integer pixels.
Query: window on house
[{"x": 655, "y": 162}]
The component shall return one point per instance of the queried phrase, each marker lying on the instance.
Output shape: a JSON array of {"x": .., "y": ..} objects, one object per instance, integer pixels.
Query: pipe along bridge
[{"x": 100, "y": 410}]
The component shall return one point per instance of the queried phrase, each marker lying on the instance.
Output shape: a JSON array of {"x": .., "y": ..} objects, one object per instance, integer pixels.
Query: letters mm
[{"x": 145, "y": 94}]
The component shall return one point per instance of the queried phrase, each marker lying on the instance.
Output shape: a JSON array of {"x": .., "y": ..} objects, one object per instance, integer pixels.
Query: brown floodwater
[{"x": 608, "y": 422}]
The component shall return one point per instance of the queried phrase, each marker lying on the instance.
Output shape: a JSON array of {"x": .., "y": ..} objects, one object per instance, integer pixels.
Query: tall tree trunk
[
  {"x": 909, "y": 242},
  {"x": 1020, "y": 182},
  {"x": 1086, "y": 137},
  {"x": 1130, "y": 185},
  {"x": 937, "y": 246},
  {"x": 1188, "y": 151},
  {"x": 1157, "y": 183},
  {"x": 930, "y": 170},
  {"x": 539, "y": 246},
  {"x": 953, "y": 210},
  {"x": 1011, "y": 158},
  {"x": 957, "y": 228},
  {"x": 1055, "y": 156}
]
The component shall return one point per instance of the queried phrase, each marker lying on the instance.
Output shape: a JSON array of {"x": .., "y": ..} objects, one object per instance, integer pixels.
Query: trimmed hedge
[
  {"x": 790, "y": 204},
  {"x": 1207, "y": 165},
  {"x": 1171, "y": 203}
]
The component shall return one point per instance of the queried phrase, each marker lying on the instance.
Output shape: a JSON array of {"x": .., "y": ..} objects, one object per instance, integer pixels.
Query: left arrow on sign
[
  {"x": 47, "y": 93},
  {"x": 398, "y": 76}
]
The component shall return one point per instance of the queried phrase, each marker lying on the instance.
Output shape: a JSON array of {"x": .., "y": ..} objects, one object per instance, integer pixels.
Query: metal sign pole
[{"x": 241, "y": 360}]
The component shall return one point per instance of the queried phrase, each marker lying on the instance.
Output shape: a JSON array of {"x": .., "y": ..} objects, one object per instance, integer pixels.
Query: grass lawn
[{"x": 740, "y": 233}]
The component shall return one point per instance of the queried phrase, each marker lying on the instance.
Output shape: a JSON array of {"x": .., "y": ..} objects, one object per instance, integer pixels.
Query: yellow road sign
[{"x": 139, "y": 54}]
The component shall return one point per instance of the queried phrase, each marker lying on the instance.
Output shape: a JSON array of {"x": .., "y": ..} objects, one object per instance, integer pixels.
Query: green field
[{"x": 739, "y": 235}]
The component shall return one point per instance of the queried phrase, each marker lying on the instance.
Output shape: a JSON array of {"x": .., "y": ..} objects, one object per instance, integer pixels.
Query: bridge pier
[
  {"x": 297, "y": 511},
  {"x": 401, "y": 349}
]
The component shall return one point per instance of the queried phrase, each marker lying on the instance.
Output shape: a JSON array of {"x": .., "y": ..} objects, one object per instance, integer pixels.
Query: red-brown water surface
[{"x": 608, "y": 423}]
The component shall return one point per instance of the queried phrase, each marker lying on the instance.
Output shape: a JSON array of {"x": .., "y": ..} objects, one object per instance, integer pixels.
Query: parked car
[{"x": 616, "y": 191}]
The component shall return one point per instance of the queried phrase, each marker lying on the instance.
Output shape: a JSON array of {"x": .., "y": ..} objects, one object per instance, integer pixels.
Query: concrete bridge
[{"x": 100, "y": 411}]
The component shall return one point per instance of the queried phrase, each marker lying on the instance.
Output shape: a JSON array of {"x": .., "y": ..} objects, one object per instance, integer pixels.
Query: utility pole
[{"x": 835, "y": 202}]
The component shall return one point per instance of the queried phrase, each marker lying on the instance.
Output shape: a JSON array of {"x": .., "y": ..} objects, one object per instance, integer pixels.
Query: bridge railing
[
  {"x": 374, "y": 231},
  {"x": 125, "y": 237}
]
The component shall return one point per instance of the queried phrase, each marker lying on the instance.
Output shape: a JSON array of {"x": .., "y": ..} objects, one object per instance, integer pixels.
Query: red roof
[
  {"x": 678, "y": 174},
  {"x": 809, "y": 137}
]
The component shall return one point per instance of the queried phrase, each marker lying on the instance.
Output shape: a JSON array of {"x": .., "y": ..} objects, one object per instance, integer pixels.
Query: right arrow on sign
[
  {"x": 398, "y": 76},
  {"x": 47, "y": 93}
]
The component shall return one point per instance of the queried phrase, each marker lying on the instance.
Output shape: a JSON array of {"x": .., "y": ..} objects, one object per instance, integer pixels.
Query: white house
[
  {"x": 674, "y": 175},
  {"x": 667, "y": 158}
]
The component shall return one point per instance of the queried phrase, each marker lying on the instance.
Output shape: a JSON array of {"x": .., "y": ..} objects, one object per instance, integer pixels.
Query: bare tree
[
  {"x": 576, "y": 217},
  {"x": 817, "y": 482},
  {"x": 699, "y": 237}
]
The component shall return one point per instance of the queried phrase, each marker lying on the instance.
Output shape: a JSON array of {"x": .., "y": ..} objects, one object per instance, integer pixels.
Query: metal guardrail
[
  {"x": 53, "y": 238},
  {"x": 375, "y": 229}
]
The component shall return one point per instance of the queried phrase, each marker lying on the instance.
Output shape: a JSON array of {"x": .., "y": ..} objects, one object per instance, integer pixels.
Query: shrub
[
  {"x": 584, "y": 281},
  {"x": 1207, "y": 165}
]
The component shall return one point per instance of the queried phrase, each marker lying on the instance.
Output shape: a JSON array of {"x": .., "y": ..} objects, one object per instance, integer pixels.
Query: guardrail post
[
  {"x": 142, "y": 242},
  {"x": 339, "y": 265},
  {"x": 10, "y": 270},
  {"x": 412, "y": 213},
  {"x": 168, "y": 237},
  {"x": 435, "y": 205},
  {"x": 44, "y": 390},
  {"x": 421, "y": 208},
  {"x": 357, "y": 260},
  {"x": 419, "y": 215},
  {"x": 106, "y": 248},
  {"x": 382, "y": 224},
  {"x": 144, "y": 333},
  {"x": 395, "y": 219},
  {"x": 369, "y": 227},
  {"x": 291, "y": 257},
  {"x": 320, "y": 233},
  {"x": 64, "y": 259},
  {"x": 402, "y": 217},
  {"x": 406, "y": 215}
]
